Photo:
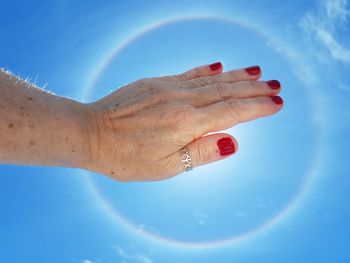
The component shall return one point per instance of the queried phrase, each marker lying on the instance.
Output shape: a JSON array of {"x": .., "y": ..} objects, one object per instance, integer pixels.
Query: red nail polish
[
  {"x": 226, "y": 146},
  {"x": 274, "y": 84},
  {"x": 254, "y": 70},
  {"x": 277, "y": 99},
  {"x": 215, "y": 66}
]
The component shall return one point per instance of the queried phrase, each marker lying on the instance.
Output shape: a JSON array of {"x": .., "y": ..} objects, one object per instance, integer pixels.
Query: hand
[{"x": 139, "y": 130}]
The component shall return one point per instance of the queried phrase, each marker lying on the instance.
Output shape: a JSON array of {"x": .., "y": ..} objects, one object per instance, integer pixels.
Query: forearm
[{"x": 39, "y": 128}]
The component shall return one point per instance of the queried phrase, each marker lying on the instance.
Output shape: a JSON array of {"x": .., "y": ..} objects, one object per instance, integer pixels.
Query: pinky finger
[{"x": 201, "y": 71}]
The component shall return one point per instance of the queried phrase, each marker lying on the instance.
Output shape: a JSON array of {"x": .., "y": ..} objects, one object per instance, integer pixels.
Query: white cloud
[
  {"x": 301, "y": 70},
  {"x": 87, "y": 261},
  {"x": 326, "y": 24},
  {"x": 336, "y": 9},
  {"x": 337, "y": 50},
  {"x": 132, "y": 257}
]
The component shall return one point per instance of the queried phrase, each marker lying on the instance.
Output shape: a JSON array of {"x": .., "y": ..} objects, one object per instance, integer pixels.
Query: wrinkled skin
[{"x": 138, "y": 130}]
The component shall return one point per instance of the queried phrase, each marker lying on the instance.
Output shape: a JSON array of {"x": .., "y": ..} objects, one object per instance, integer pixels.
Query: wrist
[
  {"x": 90, "y": 137},
  {"x": 102, "y": 138}
]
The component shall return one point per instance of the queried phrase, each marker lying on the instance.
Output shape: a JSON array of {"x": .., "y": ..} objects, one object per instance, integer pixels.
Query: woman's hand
[{"x": 139, "y": 130}]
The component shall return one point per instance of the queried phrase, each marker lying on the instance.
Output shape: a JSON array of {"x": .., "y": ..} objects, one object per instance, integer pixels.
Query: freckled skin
[{"x": 37, "y": 124}]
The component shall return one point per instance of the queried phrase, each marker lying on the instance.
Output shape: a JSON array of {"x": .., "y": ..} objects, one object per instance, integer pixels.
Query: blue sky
[{"x": 281, "y": 198}]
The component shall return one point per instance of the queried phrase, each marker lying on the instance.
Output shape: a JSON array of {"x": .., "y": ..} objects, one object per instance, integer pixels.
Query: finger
[
  {"x": 220, "y": 91},
  {"x": 250, "y": 73},
  {"x": 207, "y": 149},
  {"x": 225, "y": 114},
  {"x": 205, "y": 70}
]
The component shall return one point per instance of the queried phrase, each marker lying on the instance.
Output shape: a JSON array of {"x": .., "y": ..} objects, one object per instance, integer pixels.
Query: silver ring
[{"x": 186, "y": 159}]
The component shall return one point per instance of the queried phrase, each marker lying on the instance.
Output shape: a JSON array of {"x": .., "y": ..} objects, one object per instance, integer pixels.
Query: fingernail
[
  {"x": 254, "y": 70},
  {"x": 215, "y": 66},
  {"x": 226, "y": 146},
  {"x": 277, "y": 99},
  {"x": 274, "y": 84}
]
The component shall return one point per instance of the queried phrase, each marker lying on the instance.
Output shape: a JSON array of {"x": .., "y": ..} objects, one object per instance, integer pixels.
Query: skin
[{"x": 135, "y": 133}]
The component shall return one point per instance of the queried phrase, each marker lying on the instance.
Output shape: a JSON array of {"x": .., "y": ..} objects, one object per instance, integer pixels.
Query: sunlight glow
[{"x": 285, "y": 212}]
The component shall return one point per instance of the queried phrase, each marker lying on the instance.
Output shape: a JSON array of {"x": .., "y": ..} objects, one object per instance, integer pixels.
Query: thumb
[{"x": 207, "y": 149}]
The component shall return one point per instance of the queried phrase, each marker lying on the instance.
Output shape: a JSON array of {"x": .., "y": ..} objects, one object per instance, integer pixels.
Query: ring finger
[{"x": 220, "y": 91}]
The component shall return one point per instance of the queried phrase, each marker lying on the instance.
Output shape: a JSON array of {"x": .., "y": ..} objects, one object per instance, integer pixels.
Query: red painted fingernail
[
  {"x": 254, "y": 70},
  {"x": 277, "y": 99},
  {"x": 274, "y": 84},
  {"x": 226, "y": 146},
  {"x": 215, "y": 66}
]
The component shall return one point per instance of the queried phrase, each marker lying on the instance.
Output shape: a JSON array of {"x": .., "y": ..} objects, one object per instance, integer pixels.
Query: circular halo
[{"x": 287, "y": 210}]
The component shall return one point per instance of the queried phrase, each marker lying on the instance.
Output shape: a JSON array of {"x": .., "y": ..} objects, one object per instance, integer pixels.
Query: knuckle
[
  {"x": 223, "y": 90},
  {"x": 192, "y": 83},
  {"x": 196, "y": 82},
  {"x": 208, "y": 79},
  {"x": 232, "y": 109},
  {"x": 205, "y": 80},
  {"x": 201, "y": 153}
]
